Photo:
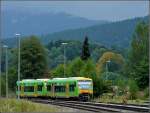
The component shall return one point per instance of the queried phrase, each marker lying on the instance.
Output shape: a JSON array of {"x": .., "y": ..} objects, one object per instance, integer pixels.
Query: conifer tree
[{"x": 85, "y": 49}]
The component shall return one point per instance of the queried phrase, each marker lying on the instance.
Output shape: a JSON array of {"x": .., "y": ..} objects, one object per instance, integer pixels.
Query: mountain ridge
[
  {"x": 109, "y": 34},
  {"x": 28, "y": 23},
  {"x": 126, "y": 27}
]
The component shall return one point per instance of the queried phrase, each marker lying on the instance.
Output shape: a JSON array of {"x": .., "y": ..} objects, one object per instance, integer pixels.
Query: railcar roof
[
  {"x": 79, "y": 78},
  {"x": 53, "y": 80},
  {"x": 68, "y": 79},
  {"x": 59, "y": 78},
  {"x": 27, "y": 81},
  {"x": 45, "y": 79}
]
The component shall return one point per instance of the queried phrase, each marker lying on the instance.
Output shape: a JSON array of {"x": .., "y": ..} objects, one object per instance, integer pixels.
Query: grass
[{"x": 13, "y": 105}]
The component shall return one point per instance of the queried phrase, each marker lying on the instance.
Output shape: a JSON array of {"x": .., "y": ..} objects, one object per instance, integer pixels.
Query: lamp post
[
  {"x": 0, "y": 65},
  {"x": 107, "y": 62},
  {"x": 64, "y": 57},
  {"x": 6, "y": 68},
  {"x": 18, "y": 38}
]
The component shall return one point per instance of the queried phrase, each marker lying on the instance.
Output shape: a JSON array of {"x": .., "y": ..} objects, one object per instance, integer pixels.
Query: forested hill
[
  {"x": 28, "y": 22},
  {"x": 115, "y": 33}
]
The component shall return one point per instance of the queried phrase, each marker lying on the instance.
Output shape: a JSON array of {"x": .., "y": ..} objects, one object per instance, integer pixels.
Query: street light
[
  {"x": 0, "y": 64},
  {"x": 18, "y": 38},
  {"x": 64, "y": 57},
  {"x": 6, "y": 68}
]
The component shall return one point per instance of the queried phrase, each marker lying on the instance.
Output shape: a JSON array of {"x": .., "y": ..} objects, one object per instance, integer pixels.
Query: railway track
[
  {"x": 97, "y": 107},
  {"x": 141, "y": 105}
]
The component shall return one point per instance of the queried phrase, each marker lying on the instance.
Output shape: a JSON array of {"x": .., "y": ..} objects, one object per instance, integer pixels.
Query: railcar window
[
  {"x": 60, "y": 88},
  {"x": 71, "y": 87},
  {"x": 48, "y": 87},
  {"x": 39, "y": 88},
  {"x": 29, "y": 89}
]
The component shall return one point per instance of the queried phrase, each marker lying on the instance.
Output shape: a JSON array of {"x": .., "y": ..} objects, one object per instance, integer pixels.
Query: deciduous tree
[{"x": 33, "y": 58}]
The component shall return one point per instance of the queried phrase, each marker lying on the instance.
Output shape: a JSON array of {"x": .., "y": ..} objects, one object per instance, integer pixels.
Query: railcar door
[
  {"x": 35, "y": 90},
  {"x": 53, "y": 90},
  {"x": 67, "y": 90},
  {"x": 22, "y": 90}
]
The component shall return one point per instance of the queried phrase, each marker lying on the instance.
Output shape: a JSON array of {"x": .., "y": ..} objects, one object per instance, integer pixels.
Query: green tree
[
  {"x": 3, "y": 84},
  {"x": 12, "y": 78},
  {"x": 75, "y": 67},
  {"x": 137, "y": 65},
  {"x": 85, "y": 49},
  {"x": 58, "y": 71},
  {"x": 88, "y": 70},
  {"x": 33, "y": 58}
]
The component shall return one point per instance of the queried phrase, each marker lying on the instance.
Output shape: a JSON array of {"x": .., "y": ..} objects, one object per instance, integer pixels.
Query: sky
[{"x": 94, "y": 10}]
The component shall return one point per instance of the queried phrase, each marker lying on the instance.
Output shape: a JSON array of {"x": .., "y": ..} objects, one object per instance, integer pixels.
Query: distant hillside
[
  {"x": 38, "y": 23},
  {"x": 115, "y": 33}
]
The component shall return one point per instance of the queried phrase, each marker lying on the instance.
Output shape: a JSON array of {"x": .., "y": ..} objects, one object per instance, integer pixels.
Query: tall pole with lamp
[
  {"x": 64, "y": 57},
  {"x": 6, "y": 68},
  {"x": 0, "y": 66},
  {"x": 18, "y": 38}
]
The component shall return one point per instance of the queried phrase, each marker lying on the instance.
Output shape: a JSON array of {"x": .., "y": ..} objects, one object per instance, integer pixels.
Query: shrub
[
  {"x": 133, "y": 89},
  {"x": 3, "y": 86},
  {"x": 100, "y": 86},
  {"x": 146, "y": 92}
]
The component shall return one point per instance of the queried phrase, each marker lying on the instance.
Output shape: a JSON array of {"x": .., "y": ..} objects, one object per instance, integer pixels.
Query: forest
[{"x": 117, "y": 72}]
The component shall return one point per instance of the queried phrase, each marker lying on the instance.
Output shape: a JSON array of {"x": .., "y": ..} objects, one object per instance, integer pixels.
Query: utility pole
[
  {"x": 18, "y": 38},
  {"x": 6, "y": 68},
  {"x": 64, "y": 57},
  {"x": 0, "y": 66},
  {"x": 0, "y": 56}
]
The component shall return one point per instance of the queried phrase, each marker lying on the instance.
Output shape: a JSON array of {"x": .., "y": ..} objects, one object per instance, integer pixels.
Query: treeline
[{"x": 113, "y": 70}]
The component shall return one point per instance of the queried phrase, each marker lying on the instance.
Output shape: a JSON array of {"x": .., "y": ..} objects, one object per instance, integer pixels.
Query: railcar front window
[{"x": 85, "y": 84}]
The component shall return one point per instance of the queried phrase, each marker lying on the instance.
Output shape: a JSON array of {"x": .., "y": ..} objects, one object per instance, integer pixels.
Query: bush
[
  {"x": 121, "y": 82},
  {"x": 133, "y": 89},
  {"x": 110, "y": 76},
  {"x": 99, "y": 86},
  {"x": 146, "y": 92},
  {"x": 3, "y": 86}
]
